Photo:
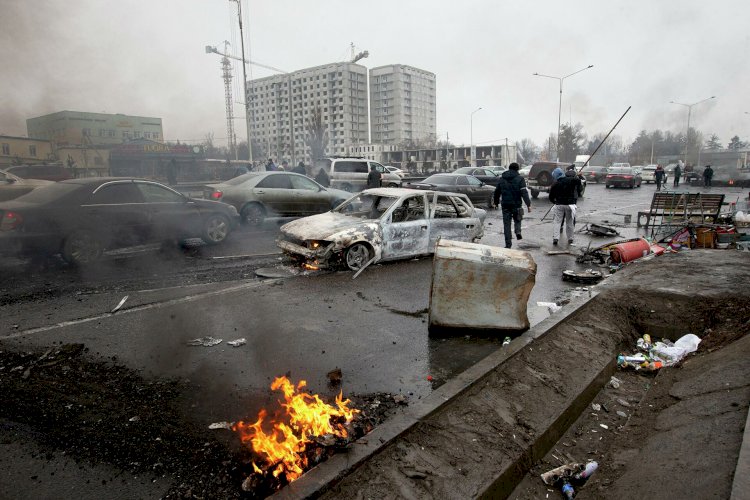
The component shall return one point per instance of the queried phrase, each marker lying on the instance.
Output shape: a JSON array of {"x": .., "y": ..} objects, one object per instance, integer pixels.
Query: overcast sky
[{"x": 147, "y": 57}]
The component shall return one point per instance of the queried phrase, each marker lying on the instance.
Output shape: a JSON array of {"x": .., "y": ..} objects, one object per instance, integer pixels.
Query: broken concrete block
[{"x": 480, "y": 286}]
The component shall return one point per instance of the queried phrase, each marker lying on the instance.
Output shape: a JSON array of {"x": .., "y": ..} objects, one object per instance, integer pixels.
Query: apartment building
[
  {"x": 402, "y": 104},
  {"x": 81, "y": 128},
  {"x": 281, "y": 107}
]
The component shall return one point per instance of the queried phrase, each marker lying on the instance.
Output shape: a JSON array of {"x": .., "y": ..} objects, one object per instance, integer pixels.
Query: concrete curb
[
  {"x": 317, "y": 480},
  {"x": 741, "y": 482}
]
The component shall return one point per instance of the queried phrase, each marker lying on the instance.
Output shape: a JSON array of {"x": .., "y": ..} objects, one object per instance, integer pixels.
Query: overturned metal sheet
[{"x": 480, "y": 286}]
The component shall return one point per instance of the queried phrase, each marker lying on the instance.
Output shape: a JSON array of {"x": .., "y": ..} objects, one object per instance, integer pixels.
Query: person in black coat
[
  {"x": 708, "y": 174},
  {"x": 510, "y": 194},
  {"x": 564, "y": 193}
]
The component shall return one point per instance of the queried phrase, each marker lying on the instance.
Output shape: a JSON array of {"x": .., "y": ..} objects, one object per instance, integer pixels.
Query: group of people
[
  {"x": 660, "y": 175},
  {"x": 511, "y": 194}
]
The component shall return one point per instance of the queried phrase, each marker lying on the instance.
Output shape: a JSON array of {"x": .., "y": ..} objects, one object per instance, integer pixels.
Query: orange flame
[{"x": 283, "y": 447}]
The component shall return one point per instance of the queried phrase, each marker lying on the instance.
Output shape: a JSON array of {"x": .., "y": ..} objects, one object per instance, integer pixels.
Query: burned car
[{"x": 379, "y": 225}]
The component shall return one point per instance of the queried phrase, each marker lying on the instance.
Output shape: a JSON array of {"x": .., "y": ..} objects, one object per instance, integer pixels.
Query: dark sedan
[
  {"x": 83, "y": 218},
  {"x": 486, "y": 175},
  {"x": 593, "y": 173},
  {"x": 478, "y": 192},
  {"x": 623, "y": 177}
]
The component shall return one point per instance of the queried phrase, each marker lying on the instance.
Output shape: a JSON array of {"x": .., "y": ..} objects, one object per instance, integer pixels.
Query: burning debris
[{"x": 299, "y": 437}]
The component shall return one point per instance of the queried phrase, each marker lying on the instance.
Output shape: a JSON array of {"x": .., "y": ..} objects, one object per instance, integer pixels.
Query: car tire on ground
[
  {"x": 253, "y": 214},
  {"x": 534, "y": 194},
  {"x": 215, "y": 229},
  {"x": 82, "y": 247},
  {"x": 356, "y": 256}
]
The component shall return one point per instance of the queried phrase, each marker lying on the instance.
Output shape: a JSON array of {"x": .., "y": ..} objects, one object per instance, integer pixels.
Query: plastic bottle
[
  {"x": 568, "y": 491},
  {"x": 586, "y": 473}
]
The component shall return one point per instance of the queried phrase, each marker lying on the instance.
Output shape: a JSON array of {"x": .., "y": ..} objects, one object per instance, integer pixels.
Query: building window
[
  {"x": 86, "y": 132},
  {"x": 32, "y": 150},
  {"x": 6, "y": 149},
  {"x": 137, "y": 134}
]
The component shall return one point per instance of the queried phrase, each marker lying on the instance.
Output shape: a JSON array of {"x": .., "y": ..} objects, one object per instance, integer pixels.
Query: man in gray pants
[{"x": 564, "y": 194}]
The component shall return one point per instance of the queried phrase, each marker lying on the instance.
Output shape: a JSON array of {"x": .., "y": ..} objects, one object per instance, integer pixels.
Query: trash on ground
[
  {"x": 204, "y": 342},
  {"x": 600, "y": 230},
  {"x": 622, "y": 414},
  {"x": 237, "y": 342},
  {"x": 335, "y": 376},
  {"x": 221, "y": 425},
  {"x": 572, "y": 473},
  {"x": 596, "y": 407},
  {"x": 588, "y": 276},
  {"x": 120, "y": 304},
  {"x": 660, "y": 354},
  {"x": 551, "y": 306},
  {"x": 615, "y": 382},
  {"x": 134, "y": 419},
  {"x": 506, "y": 341},
  {"x": 399, "y": 399}
]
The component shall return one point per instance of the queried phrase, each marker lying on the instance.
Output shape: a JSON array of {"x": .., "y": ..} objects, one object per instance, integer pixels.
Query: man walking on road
[
  {"x": 512, "y": 190},
  {"x": 374, "y": 178},
  {"x": 564, "y": 194},
  {"x": 659, "y": 177}
]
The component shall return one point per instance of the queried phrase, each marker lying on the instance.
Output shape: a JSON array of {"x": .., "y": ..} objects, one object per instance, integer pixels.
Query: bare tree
[
  {"x": 527, "y": 150},
  {"x": 316, "y": 134}
]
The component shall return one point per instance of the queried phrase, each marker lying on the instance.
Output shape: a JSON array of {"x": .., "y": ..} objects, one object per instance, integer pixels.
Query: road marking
[{"x": 153, "y": 305}]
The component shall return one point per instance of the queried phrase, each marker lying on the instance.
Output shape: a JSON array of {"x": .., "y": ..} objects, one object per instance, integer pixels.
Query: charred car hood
[{"x": 324, "y": 226}]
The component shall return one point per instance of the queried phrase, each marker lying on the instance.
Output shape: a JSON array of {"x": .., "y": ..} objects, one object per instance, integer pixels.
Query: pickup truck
[{"x": 540, "y": 178}]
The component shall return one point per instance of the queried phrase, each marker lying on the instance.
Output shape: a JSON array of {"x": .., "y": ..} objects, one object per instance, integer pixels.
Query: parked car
[
  {"x": 484, "y": 174},
  {"x": 83, "y": 218},
  {"x": 478, "y": 192},
  {"x": 539, "y": 178},
  {"x": 620, "y": 165},
  {"x": 350, "y": 173},
  {"x": 647, "y": 175},
  {"x": 623, "y": 177},
  {"x": 524, "y": 171},
  {"x": 593, "y": 173},
  {"x": 498, "y": 169},
  {"x": 43, "y": 172},
  {"x": 12, "y": 186},
  {"x": 379, "y": 225},
  {"x": 258, "y": 195},
  {"x": 395, "y": 170}
]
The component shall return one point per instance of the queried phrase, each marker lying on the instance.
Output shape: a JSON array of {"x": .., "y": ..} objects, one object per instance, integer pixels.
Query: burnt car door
[
  {"x": 406, "y": 229},
  {"x": 311, "y": 199},
  {"x": 452, "y": 218},
  {"x": 116, "y": 215},
  {"x": 170, "y": 214}
]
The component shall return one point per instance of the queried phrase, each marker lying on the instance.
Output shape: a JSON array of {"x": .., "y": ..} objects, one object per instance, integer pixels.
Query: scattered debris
[
  {"x": 622, "y": 414},
  {"x": 134, "y": 419},
  {"x": 204, "y": 342},
  {"x": 399, "y": 399},
  {"x": 334, "y": 376},
  {"x": 589, "y": 276},
  {"x": 599, "y": 230},
  {"x": 551, "y": 306},
  {"x": 120, "y": 304},
  {"x": 622, "y": 402},
  {"x": 615, "y": 382},
  {"x": 596, "y": 407},
  {"x": 604, "y": 426},
  {"x": 221, "y": 425},
  {"x": 506, "y": 341},
  {"x": 238, "y": 342},
  {"x": 656, "y": 356}
]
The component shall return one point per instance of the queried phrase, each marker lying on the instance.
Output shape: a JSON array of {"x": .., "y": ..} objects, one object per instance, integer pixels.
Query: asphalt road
[{"x": 373, "y": 328}]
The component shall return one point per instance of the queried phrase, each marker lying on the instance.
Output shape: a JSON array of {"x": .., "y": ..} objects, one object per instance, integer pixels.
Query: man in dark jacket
[
  {"x": 564, "y": 194},
  {"x": 708, "y": 174},
  {"x": 512, "y": 190},
  {"x": 300, "y": 169},
  {"x": 374, "y": 178},
  {"x": 659, "y": 175}
]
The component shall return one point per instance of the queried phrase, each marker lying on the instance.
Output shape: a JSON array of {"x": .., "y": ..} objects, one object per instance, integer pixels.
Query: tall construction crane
[{"x": 227, "y": 74}]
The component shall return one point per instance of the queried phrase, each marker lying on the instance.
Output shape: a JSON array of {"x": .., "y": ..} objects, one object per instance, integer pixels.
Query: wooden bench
[{"x": 682, "y": 206}]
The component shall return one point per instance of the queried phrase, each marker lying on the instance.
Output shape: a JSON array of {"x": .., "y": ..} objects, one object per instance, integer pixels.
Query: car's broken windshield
[{"x": 367, "y": 206}]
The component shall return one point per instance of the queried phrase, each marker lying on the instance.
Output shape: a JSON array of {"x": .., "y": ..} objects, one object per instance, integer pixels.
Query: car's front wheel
[
  {"x": 215, "y": 229},
  {"x": 82, "y": 247},
  {"x": 357, "y": 256}
]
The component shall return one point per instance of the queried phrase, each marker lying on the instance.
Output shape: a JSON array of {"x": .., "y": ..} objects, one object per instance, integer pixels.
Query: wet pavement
[{"x": 373, "y": 328}]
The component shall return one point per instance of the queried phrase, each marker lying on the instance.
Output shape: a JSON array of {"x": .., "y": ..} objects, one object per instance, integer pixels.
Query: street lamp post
[
  {"x": 471, "y": 138},
  {"x": 687, "y": 132},
  {"x": 559, "y": 109},
  {"x": 244, "y": 81}
]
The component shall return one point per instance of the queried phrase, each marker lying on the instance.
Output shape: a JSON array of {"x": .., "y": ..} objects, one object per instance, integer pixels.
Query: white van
[{"x": 350, "y": 173}]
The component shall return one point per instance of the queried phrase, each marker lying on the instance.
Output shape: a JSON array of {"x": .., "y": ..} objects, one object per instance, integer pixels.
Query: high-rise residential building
[
  {"x": 81, "y": 128},
  {"x": 282, "y": 107},
  {"x": 402, "y": 104}
]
